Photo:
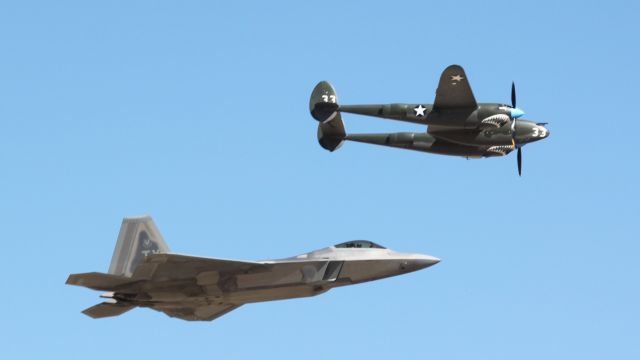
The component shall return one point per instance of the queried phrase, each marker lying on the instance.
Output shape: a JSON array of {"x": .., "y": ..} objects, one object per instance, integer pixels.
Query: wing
[
  {"x": 454, "y": 90},
  {"x": 200, "y": 313},
  {"x": 174, "y": 266}
]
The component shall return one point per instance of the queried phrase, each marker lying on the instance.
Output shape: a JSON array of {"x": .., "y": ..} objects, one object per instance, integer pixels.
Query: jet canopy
[{"x": 363, "y": 244}]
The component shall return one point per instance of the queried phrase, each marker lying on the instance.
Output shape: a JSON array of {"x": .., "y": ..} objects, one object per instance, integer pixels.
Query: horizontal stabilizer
[
  {"x": 107, "y": 309},
  {"x": 99, "y": 281}
]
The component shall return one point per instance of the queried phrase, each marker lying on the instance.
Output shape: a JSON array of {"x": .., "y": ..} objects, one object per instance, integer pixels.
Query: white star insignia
[
  {"x": 419, "y": 110},
  {"x": 456, "y": 78}
]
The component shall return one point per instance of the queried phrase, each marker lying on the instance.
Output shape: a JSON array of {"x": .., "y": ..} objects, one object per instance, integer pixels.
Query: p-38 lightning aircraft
[
  {"x": 143, "y": 273},
  {"x": 457, "y": 124}
]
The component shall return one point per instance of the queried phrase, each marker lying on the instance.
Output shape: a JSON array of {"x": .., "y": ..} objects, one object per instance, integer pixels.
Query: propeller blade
[
  {"x": 513, "y": 105},
  {"x": 519, "y": 161}
]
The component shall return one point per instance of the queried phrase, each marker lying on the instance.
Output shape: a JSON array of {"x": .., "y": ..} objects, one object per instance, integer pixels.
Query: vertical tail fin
[
  {"x": 138, "y": 238},
  {"x": 323, "y": 103},
  {"x": 323, "y": 106},
  {"x": 332, "y": 133}
]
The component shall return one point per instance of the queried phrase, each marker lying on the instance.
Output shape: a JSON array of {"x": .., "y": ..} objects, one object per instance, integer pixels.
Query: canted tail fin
[{"x": 138, "y": 238}]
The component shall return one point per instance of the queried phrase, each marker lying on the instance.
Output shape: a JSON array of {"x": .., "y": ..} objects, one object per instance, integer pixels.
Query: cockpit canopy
[{"x": 360, "y": 244}]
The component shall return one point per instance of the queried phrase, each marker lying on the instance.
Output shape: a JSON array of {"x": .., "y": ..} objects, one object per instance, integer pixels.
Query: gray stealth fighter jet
[{"x": 144, "y": 273}]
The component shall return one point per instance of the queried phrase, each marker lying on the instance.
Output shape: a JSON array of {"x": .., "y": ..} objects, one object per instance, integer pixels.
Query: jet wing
[
  {"x": 174, "y": 266},
  {"x": 200, "y": 313},
  {"x": 454, "y": 90}
]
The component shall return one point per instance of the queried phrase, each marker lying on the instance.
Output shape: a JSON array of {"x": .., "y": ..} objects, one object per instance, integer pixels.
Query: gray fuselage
[{"x": 301, "y": 276}]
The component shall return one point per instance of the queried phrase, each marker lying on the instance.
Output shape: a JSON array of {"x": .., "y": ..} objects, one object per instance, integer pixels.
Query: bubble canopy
[{"x": 360, "y": 244}]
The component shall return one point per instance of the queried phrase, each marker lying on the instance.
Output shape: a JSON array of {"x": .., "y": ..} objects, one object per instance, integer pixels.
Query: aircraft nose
[
  {"x": 426, "y": 261},
  {"x": 540, "y": 132},
  {"x": 419, "y": 262}
]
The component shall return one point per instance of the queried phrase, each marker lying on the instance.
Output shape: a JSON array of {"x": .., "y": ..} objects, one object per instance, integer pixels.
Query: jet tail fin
[
  {"x": 107, "y": 309},
  {"x": 138, "y": 238}
]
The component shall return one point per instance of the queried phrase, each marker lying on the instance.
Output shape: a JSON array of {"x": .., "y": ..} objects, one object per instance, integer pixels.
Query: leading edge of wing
[{"x": 204, "y": 262}]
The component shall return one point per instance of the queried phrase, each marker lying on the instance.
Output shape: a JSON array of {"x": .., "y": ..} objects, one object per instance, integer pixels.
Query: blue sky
[{"x": 197, "y": 114}]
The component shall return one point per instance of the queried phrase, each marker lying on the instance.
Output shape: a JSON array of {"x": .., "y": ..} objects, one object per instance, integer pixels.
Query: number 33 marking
[
  {"x": 329, "y": 98},
  {"x": 539, "y": 132}
]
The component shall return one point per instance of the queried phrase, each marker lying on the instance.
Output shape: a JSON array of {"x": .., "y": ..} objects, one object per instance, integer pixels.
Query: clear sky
[{"x": 197, "y": 114}]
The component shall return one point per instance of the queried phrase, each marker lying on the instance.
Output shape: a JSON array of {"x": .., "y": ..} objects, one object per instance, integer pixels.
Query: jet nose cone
[
  {"x": 429, "y": 260},
  {"x": 424, "y": 261},
  {"x": 516, "y": 113}
]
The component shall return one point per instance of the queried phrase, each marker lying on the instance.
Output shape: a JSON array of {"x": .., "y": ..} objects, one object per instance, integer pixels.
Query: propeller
[
  {"x": 519, "y": 161},
  {"x": 513, "y": 106},
  {"x": 513, "y": 127}
]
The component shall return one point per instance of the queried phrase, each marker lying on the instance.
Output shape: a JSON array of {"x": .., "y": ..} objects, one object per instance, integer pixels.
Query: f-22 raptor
[
  {"x": 457, "y": 124},
  {"x": 143, "y": 273}
]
